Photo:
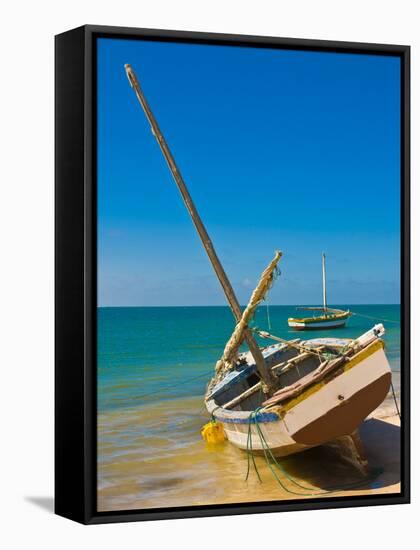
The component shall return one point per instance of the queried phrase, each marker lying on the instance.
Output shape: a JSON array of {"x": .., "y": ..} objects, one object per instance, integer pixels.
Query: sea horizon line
[{"x": 244, "y": 305}]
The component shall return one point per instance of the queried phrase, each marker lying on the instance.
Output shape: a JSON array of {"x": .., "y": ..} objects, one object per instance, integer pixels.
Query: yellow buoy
[{"x": 213, "y": 432}]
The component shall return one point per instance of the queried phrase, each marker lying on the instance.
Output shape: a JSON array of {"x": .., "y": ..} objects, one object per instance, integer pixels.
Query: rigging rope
[
  {"x": 268, "y": 314},
  {"x": 251, "y": 454},
  {"x": 169, "y": 386},
  {"x": 299, "y": 347},
  {"x": 376, "y": 318},
  {"x": 269, "y": 455},
  {"x": 395, "y": 400}
]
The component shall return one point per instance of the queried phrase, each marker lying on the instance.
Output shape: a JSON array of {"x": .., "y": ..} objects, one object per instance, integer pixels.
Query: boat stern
[{"x": 336, "y": 407}]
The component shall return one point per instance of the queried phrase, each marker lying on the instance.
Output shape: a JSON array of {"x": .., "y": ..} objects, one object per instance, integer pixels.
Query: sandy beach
[{"x": 172, "y": 466}]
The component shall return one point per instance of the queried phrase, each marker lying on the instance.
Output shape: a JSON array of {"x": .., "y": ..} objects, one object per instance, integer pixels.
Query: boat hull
[
  {"x": 317, "y": 326},
  {"x": 275, "y": 434},
  {"x": 331, "y": 409},
  {"x": 341, "y": 405},
  {"x": 337, "y": 319}
]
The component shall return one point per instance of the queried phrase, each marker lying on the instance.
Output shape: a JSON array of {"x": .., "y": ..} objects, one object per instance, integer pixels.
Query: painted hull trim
[
  {"x": 337, "y": 319},
  {"x": 316, "y": 326}
]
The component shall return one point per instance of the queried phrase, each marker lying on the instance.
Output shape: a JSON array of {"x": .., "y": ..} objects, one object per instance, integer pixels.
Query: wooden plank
[{"x": 243, "y": 396}]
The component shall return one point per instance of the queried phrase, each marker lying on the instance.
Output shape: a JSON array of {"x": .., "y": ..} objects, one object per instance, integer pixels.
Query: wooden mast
[
  {"x": 263, "y": 371},
  {"x": 324, "y": 288}
]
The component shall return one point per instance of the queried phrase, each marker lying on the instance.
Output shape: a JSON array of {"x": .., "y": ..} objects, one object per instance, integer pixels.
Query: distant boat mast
[
  {"x": 324, "y": 285},
  {"x": 263, "y": 371}
]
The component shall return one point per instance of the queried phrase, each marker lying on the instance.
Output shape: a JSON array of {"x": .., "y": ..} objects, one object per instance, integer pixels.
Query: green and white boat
[{"x": 328, "y": 318}]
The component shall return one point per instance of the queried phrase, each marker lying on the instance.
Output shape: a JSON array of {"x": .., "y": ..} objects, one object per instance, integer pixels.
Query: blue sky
[{"x": 289, "y": 150}]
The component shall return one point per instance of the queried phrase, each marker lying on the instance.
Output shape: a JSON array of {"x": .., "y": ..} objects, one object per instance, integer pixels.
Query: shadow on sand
[{"x": 325, "y": 467}]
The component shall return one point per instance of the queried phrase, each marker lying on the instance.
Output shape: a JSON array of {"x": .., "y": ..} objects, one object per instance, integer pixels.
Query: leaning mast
[{"x": 263, "y": 371}]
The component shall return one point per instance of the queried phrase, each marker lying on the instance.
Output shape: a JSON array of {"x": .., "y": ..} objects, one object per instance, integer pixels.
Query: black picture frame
[{"x": 75, "y": 273}]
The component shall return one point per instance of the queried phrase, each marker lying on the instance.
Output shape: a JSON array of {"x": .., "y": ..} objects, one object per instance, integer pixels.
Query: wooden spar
[
  {"x": 263, "y": 371},
  {"x": 324, "y": 289}
]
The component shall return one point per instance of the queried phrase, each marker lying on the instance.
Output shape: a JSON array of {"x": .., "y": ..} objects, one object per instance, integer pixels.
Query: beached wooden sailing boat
[
  {"x": 329, "y": 318},
  {"x": 292, "y": 395},
  {"x": 326, "y": 388}
]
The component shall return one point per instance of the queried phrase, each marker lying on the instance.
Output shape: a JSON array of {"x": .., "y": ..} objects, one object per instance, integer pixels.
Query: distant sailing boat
[{"x": 330, "y": 318}]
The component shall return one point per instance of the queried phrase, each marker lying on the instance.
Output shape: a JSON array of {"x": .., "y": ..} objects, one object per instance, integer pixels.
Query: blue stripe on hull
[{"x": 263, "y": 417}]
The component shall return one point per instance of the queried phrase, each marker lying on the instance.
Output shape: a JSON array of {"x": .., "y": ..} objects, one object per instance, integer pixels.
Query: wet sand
[{"x": 154, "y": 457}]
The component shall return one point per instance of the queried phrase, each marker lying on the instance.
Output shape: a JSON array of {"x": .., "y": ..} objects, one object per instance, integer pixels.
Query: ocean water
[
  {"x": 147, "y": 354},
  {"x": 153, "y": 367}
]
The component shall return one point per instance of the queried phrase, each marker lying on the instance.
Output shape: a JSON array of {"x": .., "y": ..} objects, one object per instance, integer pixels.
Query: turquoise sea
[
  {"x": 153, "y": 367},
  {"x": 148, "y": 354}
]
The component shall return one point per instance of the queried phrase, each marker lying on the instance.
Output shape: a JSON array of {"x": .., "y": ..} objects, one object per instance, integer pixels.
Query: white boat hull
[
  {"x": 325, "y": 324},
  {"x": 333, "y": 319},
  {"x": 275, "y": 434}
]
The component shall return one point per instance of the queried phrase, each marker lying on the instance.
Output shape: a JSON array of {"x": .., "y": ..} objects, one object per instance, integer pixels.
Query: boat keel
[{"x": 353, "y": 451}]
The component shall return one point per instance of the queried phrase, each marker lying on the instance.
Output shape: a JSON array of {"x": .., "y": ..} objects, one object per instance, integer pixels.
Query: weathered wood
[
  {"x": 236, "y": 400},
  {"x": 353, "y": 451},
  {"x": 263, "y": 371}
]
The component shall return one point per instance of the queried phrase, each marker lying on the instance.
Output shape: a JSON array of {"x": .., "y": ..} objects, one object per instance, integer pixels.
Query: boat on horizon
[{"x": 329, "y": 318}]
